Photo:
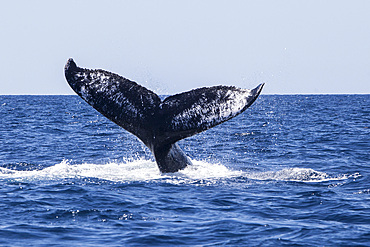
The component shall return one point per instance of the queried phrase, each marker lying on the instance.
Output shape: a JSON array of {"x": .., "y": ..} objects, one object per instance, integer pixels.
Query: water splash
[
  {"x": 297, "y": 175},
  {"x": 127, "y": 171},
  {"x": 142, "y": 170},
  {"x": 138, "y": 170}
]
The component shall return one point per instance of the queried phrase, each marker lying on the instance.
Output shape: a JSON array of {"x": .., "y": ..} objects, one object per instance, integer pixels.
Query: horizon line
[{"x": 175, "y": 93}]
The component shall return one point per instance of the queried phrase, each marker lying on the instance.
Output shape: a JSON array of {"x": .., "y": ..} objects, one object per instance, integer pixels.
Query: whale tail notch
[{"x": 158, "y": 124}]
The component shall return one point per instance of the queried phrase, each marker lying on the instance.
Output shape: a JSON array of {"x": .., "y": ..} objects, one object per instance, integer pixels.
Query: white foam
[
  {"x": 201, "y": 172},
  {"x": 136, "y": 170},
  {"x": 204, "y": 173},
  {"x": 297, "y": 175}
]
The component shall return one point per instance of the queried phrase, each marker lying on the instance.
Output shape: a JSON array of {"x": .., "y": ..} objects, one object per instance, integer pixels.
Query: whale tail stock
[{"x": 158, "y": 124}]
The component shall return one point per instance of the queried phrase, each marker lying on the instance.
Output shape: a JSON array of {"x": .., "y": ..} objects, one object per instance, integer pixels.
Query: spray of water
[{"x": 147, "y": 170}]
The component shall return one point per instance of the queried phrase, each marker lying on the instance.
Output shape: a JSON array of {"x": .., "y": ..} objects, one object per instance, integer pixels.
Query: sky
[{"x": 295, "y": 47}]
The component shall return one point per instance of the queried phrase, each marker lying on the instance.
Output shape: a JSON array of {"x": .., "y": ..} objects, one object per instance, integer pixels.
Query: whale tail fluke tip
[
  {"x": 259, "y": 87},
  {"x": 70, "y": 64}
]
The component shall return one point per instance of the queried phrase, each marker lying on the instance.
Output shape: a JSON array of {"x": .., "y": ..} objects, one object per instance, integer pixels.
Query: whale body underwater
[{"x": 159, "y": 124}]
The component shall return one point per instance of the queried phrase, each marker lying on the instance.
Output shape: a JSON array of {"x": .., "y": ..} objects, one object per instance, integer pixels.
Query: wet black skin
[{"x": 158, "y": 124}]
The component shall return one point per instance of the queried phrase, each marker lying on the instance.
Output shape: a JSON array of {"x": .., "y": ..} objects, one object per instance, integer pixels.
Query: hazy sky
[{"x": 298, "y": 47}]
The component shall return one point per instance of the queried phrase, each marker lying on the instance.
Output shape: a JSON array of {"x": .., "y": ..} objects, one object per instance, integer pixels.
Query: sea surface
[{"x": 292, "y": 170}]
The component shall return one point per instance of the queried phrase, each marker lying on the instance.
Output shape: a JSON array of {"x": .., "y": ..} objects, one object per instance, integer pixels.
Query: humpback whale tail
[{"x": 158, "y": 124}]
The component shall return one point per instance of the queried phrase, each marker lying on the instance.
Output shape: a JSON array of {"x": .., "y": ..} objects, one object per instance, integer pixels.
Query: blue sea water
[{"x": 290, "y": 171}]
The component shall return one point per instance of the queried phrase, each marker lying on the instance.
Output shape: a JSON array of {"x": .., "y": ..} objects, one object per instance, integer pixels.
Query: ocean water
[{"x": 290, "y": 171}]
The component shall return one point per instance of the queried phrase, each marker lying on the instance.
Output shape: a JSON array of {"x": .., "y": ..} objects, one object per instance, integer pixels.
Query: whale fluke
[{"x": 158, "y": 124}]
